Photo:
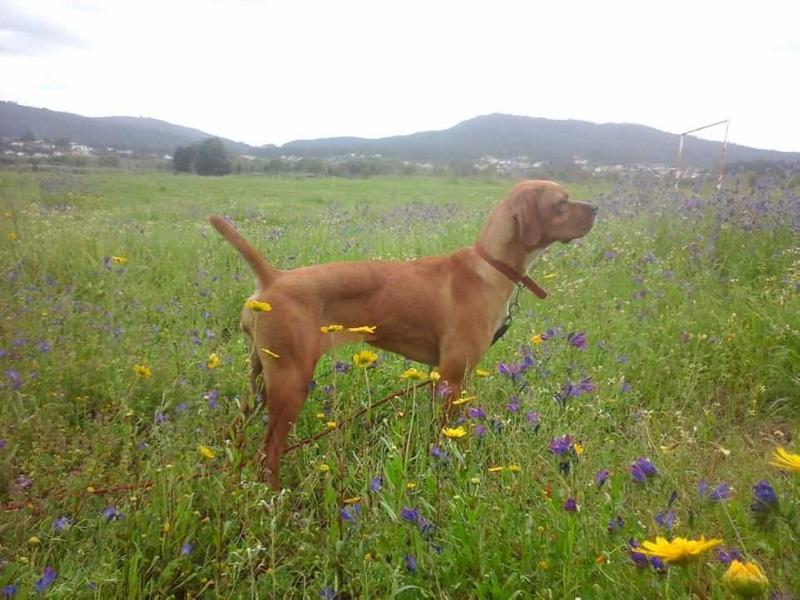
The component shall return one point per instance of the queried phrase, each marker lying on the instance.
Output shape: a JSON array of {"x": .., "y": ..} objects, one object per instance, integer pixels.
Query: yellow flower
[
  {"x": 496, "y": 469},
  {"x": 143, "y": 371},
  {"x": 33, "y": 541},
  {"x": 119, "y": 260},
  {"x": 784, "y": 460},
  {"x": 410, "y": 485},
  {"x": 454, "y": 432},
  {"x": 331, "y": 328},
  {"x": 166, "y": 527},
  {"x": 745, "y": 579},
  {"x": 206, "y": 452},
  {"x": 578, "y": 449},
  {"x": 352, "y": 500},
  {"x": 482, "y": 372},
  {"x": 13, "y": 237},
  {"x": 514, "y": 468},
  {"x": 464, "y": 400},
  {"x": 323, "y": 468},
  {"x": 270, "y": 353},
  {"x": 213, "y": 361},
  {"x": 601, "y": 559},
  {"x": 413, "y": 374},
  {"x": 331, "y": 424},
  {"x": 320, "y": 415},
  {"x": 364, "y": 358},
  {"x": 536, "y": 339},
  {"x": 475, "y": 480},
  {"x": 680, "y": 550},
  {"x": 363, "y": 329},
  {"x": 258, "y": 306},
  {"x": 434, "y": 375}
]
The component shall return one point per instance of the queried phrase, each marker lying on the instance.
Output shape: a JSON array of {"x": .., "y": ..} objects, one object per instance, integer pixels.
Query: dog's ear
[{"x": 525, "y": 211}]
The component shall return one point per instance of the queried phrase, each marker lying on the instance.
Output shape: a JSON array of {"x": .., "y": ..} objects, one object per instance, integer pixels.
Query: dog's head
[{"x": 543, "y": 213}]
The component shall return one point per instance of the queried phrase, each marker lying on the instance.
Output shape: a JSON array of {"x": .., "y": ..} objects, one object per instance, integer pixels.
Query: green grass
[{"x": 696, "y": 313}]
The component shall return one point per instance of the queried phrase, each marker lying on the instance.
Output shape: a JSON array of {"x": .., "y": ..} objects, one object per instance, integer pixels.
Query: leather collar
[{"x": 511, "y": 274}]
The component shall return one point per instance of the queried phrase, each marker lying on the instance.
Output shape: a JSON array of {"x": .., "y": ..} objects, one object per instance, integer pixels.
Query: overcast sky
[{"x": 270, "y": 72}]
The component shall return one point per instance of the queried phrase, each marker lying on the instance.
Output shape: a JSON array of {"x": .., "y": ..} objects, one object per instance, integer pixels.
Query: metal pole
[{"x": 722, "y": 157}]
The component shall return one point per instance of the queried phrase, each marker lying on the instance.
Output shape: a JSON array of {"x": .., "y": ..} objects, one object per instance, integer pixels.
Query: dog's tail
[{"x": 264, "y": 272}]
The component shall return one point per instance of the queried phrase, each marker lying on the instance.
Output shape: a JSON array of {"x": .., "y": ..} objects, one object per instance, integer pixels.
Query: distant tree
[
  {"x": 183, "y": 159},
  {"x": 210, "y": 158},
  {"x": 28, "y": 137}
]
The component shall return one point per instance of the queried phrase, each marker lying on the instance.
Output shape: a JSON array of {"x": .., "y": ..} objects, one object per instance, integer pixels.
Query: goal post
[{"x": 721, "y": 174}]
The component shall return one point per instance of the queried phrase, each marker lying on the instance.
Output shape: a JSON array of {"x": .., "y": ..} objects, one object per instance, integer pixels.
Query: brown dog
[{"x": 442, "y": 310}]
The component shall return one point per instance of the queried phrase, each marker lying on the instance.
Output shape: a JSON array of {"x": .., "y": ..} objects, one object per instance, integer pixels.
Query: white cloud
[{"x": 269, "y": 72}]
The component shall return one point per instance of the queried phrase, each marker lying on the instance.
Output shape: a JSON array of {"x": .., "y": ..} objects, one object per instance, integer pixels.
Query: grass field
[{"x": 688, "y": 373}]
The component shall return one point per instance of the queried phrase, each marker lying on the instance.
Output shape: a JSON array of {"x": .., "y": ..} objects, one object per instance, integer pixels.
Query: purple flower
[
  {"x": 573, "y": 390},
  {"x": 570, "y": 505},
  {"x": 640, "y": 560},
  {"x": 560, "y": 446},
  {"x": 513, "y": 405},
  {"x": 551, "y": 333},
  {"x": 764, "y": 502},
  {"x": 577, "y": 340},
  {"x": 642, "y": 469},
  {"x": 625, "y": 387},
  {"x": 61, "y": 523},
  {"x": 48, "y": 577},
  {"x": 327, "y": 593},
  {"x": 182, "y": 407},
  {"x": 438, "y": 453},
  {"x": 615, "y": 524},
  {"x": 601, "y": 477},
  {"x": 14, "y": 379},
  {"x": 411, "y": 563},
  {"x": 727, "y": 556},
  {"x": 666, "y": 519},
  {"x": 160, "y": 417},
  {"x": 426, "y": 527},
  {"x": 186, "y": 548},
  {"x": 476, "y": 412},
  {"x": 375, "y": 484},
  {"x": 533, "y": 419},
  {"x": 211, "y": 396},
  {"x": 410, "y": 514},
  {"x": 341, "y": 367},
  {"x": 112, "y": 514},
  {"x": 9, "y": 591},
  {"x": 658, "y": 564},
  {"x": 479, "y": 431},
  {"x": 350, "y": 513},
  {"x": 43, "y": 346},
  {"x": 721, "y": 492},
  {"x": 2, "y": 444},
  {"x": 24, "y": 482}
]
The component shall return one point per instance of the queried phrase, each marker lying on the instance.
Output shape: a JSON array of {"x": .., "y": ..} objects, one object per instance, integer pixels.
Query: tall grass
[{"x": 689, "y": 305}]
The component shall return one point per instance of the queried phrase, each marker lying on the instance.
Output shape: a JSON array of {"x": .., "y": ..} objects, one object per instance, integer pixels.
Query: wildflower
[
  {"x": 454, "y": 432},
  {"x": 24, "y": 482},
  {"x": 327, "y": 593},
  {"x": 350, "y": 513},
  {"x": 61, "y": 523},
  {"x": 514, "y": 468},
  {"x": 186, "y": 548},
  {"x": 476, "y": 412},
  {"x": 341, "y": 367},
  {"x": 764, "y": 502},
  {"x": 331, "y": 328},
  {"x": 258, "y": 306},
  {"x": 9, "y": 591},
  {"x": 437, "y": 452},
  {"x": 213, "y": 361},
  {"x": 726, "y": 557},
  {"x": 112, "y": 514},
  {"x": 570, "y": 505},
  {"x": 784, "y": 460},
  {"x": 482, "y": 372},
  {"x": 434, "y": 375},
  {"x": 411, "y": 563},
  {"x": 680, "y": 550},
  {"x": 658, "y": 564},
  {"x": 464, "y": 400},
  {"x": 578, "y": 448},
  {"x": 375, "y": 484},
  {"x": 119, "y": 260},
  {"x": 639, "y": 558},
  {"x": 48, "y": 577},
  {"x": 496, "y": 469},
  {"x": 601, "y": 477},
  {"x": 666, "y": 519},
  {"x": 536, "y": 339},
  {"x": 721, "y": 492},
  {"x": 411, "y": 485},
  {"x": 353, "y": 500},
  {"x": 205, "y": 452},
  {"x": 615, "y": 524},
  {"x": 364, "y": 359},
  {"x": 533, "y": 420},
  {"x": 560, "y": 446},
  {"x": 143, "y": 371},
  {"x": 43, "y": 346},
  {"x": 410, "y": 514},
  {"x": 642, "y": 469},
  {"x": 331, "y": 424},
  {"x": 577, "y": 340},
  {"x": 513, "y": 405},
  {"x": 363, "y": 329},
  {"x": 413, "y": 374},
  {"x": 745, "y": 579},
  {"x": 573, "y": 390},
  {"x": 211, "y": 396},
  {"x": 34, "y": 541},
  {"x": 323, "y": 468},
  {"x": 479, "y": 431},
  {"x": 2, "y": 444}
]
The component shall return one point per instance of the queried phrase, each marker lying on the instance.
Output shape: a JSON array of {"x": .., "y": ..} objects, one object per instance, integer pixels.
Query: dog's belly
[{"x": 410, "y": 350}]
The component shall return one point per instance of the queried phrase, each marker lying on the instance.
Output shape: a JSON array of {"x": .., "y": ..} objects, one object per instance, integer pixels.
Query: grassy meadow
[{"x": 667, "y": 352}]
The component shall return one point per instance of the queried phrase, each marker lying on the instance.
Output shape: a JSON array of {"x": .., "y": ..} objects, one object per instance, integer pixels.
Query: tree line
[{"x": 204, "y": 158}]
